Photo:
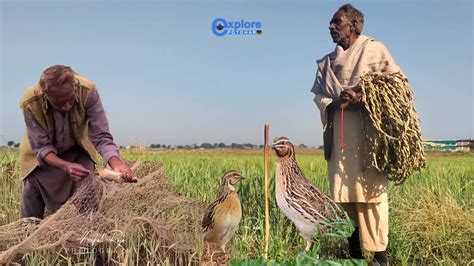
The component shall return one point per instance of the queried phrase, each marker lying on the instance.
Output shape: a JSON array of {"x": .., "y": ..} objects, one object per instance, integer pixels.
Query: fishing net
[
  {"x": 397, "y": 148},
  {"x": 104, "y": 215}
]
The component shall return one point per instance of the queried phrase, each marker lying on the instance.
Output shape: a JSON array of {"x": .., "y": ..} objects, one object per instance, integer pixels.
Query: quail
[
  {"x": 223, "y": 215},
  {"x": 310, "y": 209}
]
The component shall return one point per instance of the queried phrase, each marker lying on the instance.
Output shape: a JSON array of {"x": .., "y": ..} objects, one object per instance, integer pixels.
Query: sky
[{"x": 165, "y": 78}]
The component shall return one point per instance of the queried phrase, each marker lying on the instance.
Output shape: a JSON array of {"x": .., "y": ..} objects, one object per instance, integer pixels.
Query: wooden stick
[{"x": 267, "y": 202}]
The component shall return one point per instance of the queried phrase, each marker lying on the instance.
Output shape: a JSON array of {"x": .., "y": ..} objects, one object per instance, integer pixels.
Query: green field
[{"x": 431, "y": 215}]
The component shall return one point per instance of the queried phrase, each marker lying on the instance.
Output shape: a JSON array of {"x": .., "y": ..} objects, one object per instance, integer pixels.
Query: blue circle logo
[
  {"x": 221, "y": 27},
  {"x": 218, "y": 27}
]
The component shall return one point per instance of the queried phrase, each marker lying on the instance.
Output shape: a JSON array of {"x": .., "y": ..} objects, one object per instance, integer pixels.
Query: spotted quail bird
[
  {"x": 223, "y": 216},
  {"x": 310, "y": 209}
]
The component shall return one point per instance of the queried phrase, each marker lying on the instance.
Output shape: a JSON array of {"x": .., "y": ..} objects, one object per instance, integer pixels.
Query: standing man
[
  {"x": 65, "y": 125},
  {"x": 361, "y": 191}
]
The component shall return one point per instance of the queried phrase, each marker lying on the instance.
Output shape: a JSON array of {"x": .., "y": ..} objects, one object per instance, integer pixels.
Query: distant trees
[
  {"x": 216, "y": 145},
  {"x": 207, "y": 146},
  {"x": 204, "y": 145},
  {"x": 12, "y": 144}
]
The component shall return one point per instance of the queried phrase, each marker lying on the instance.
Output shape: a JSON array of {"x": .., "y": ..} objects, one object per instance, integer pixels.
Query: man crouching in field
[{"x": 65, "y": 125}]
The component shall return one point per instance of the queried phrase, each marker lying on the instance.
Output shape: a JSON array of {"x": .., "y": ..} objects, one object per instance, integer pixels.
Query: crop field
[{"x": 431, "y": 215}]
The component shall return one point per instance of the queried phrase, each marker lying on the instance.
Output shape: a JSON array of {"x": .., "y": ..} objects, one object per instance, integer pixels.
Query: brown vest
[{"x": 34, "y": 102}]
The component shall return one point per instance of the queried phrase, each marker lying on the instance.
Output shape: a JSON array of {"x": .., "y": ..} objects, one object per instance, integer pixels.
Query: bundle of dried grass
[{"x": 397, "y": 148}]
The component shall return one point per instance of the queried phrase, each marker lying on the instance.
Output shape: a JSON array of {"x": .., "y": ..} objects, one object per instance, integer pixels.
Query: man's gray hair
[{"x": 354, "y": 16}]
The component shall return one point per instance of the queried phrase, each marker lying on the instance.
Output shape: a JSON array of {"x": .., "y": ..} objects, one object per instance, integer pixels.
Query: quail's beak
[
  {"x": 272, "y": 146},
  {"x": 242, "y": 177}
]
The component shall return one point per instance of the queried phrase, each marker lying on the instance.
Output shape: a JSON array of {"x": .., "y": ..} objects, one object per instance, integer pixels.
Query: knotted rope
[{"x": 397, "y": 148}]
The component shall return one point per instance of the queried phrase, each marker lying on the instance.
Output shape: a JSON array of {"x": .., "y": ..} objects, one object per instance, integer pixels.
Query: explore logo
[{"x": 221, "y": 27}]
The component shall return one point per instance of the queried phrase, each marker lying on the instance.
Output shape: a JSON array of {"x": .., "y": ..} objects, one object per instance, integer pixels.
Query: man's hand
[
  {"x": 350, "y": 97},
  {"x": 76, "y": 171},
  {"x": 118, "y": 166},
  {"x": 337, "y": 104}
]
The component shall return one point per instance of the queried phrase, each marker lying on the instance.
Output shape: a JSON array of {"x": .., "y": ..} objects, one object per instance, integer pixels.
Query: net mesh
[{"x": 104, "y": 213}]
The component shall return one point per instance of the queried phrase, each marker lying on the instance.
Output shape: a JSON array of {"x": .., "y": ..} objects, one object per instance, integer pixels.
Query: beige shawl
[{"x": 341, "y": 69}]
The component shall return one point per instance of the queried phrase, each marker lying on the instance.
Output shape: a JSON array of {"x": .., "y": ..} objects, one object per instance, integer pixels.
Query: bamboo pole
[{"x": 267, "y": 202}]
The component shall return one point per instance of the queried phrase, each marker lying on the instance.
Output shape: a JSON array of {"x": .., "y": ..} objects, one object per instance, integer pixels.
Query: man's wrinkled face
[
  {"x": 61, "y": 98},
  {"x": 340, "y": 28}
]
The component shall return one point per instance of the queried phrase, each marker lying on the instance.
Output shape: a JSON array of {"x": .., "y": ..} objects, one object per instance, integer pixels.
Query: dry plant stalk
[{"x": 214, "y": 255}]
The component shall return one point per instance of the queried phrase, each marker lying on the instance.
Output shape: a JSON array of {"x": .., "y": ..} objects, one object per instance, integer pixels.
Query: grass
[{"x": 431, "y": 215}]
